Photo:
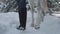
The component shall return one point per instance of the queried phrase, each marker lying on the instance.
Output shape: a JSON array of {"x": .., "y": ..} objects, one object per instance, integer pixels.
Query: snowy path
[{"x": 8, "y": 22}]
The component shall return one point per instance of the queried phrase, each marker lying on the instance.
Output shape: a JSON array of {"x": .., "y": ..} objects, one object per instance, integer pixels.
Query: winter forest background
[{"x": 9, "y": 19}]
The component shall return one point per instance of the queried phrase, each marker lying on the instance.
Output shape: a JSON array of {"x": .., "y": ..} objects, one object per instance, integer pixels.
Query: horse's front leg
[
  {"x": 39, "y": 15},
  {"x": 32, "y": 24},
  {"x": 32, "y": 11}
]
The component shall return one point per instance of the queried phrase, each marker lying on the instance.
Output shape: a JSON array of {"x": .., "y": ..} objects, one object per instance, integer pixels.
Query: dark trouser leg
[
  {"x": 23, "y": 17},
  {"x": 22, "y": 12}
]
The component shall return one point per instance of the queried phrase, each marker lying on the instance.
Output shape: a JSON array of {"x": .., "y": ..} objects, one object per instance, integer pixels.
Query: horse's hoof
[
  {"x": 32, "y": 25},
  {"x": 37, "y": 28}
]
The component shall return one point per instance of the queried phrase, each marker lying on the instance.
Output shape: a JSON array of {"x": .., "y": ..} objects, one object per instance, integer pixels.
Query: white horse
[{"x": 41, "y": 10}]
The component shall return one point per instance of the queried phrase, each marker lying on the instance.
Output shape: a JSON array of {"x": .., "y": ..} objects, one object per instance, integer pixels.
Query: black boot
[{"x": 21, "y": 28}]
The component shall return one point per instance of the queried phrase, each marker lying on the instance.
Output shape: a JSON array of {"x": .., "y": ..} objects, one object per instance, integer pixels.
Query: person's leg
[
  {"x": 22, "y": 13},
  {"x": 22, "y": 17}
]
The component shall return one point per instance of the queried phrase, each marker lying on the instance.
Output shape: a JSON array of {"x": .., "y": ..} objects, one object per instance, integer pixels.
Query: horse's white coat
[{"x": 41, "y": 7}]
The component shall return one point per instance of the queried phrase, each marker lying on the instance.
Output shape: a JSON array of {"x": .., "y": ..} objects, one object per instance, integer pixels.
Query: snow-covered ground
[{"x": 9, "y": 22}]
